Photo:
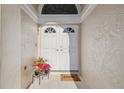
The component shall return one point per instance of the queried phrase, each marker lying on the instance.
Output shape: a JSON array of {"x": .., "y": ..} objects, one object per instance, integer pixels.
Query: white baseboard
[{"x": 64, "y": 72}]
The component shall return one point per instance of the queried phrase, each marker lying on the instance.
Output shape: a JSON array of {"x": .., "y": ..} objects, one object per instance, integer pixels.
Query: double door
[{"x": 59, "y": 46}]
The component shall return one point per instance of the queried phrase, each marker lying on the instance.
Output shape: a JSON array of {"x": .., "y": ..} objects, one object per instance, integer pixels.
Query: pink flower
[
  {"x": 46, "y": 66},
  {"x": 43, "y": 66}
]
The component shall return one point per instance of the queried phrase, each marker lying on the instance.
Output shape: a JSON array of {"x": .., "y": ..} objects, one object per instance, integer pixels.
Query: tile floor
[{"x": 54, "y": 82}]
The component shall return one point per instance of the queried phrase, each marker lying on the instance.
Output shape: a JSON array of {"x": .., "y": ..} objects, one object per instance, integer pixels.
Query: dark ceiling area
[{"x": 59, "y": 9}]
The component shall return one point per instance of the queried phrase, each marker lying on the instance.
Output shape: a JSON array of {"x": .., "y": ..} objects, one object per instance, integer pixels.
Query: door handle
[{"x": 61, "y": 49}]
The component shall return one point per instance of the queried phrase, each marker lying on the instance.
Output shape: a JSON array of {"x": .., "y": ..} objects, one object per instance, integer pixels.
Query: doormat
[{"x": 69, "y": 77}]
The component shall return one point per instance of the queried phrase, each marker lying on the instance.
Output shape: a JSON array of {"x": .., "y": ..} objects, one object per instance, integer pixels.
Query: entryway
[{"x": 58, "y": 45}]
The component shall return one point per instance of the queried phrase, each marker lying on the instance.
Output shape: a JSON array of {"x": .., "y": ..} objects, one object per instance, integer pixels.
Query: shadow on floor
[{"x": 81, "y": 84}]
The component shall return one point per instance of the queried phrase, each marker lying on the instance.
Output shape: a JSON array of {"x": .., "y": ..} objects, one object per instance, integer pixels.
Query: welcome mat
[{"x": 69, "y": 77}]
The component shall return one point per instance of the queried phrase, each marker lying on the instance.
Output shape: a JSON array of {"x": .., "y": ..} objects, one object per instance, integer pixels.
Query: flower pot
[{"x": 37, "y": 73}]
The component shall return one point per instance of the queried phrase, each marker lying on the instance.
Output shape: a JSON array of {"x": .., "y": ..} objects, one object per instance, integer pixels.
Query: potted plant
[{"x": 41, "y": 68}]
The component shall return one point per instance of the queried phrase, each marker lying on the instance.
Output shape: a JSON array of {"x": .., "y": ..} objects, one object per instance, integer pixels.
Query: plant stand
[
  {"x": 35, "y": 76},
  {"x": 39, "y": 75}
]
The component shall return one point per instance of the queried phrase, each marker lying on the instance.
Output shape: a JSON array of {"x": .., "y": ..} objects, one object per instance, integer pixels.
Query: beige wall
[
  {"x": 0, "y": 42},
  {"x": 17, "y": 47},
  {"x": 11, "y": 47},
  {"x": 28, "y": 48},
  {"x": 102, "y": 40},
  {"x": 82, "y": 6},
  {"x": 35, "y": 6}
]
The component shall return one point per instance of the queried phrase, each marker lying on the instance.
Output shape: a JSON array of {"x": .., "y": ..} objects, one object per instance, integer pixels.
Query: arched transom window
[
  {"x": 68, "y": 30},
  {"x": 50, "y": 30}
]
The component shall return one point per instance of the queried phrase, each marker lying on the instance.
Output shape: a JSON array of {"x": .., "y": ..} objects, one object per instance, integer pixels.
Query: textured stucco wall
[
  {"x": 28, "y": 48},
  {"x": 102, "y": 47},
  {"x": 11, "y": 47},
  {"x": 0, "y": 41}
]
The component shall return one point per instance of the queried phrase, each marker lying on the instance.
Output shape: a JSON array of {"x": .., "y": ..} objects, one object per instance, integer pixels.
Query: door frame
[{"x": 79, "y": 58}]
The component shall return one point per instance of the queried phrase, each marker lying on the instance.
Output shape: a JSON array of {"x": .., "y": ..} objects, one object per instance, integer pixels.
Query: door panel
[
  {"x": 64, "y": 62},
  {"x": 53, "y": 60},
  {"x": 70, "y": 47},
  {"x": 49, "y": 45},
  {"x": 46, "y": 43},
  {"x": 64, "y": 42}
]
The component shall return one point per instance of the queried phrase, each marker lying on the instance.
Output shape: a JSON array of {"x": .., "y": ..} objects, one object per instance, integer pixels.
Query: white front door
[{"x": 59, "y": 46}]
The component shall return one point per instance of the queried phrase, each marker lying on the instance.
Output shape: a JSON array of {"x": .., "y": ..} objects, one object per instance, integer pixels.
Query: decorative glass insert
[
  {"x": 50, "y": 30},
  {"x": 68, "y": 30}
]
